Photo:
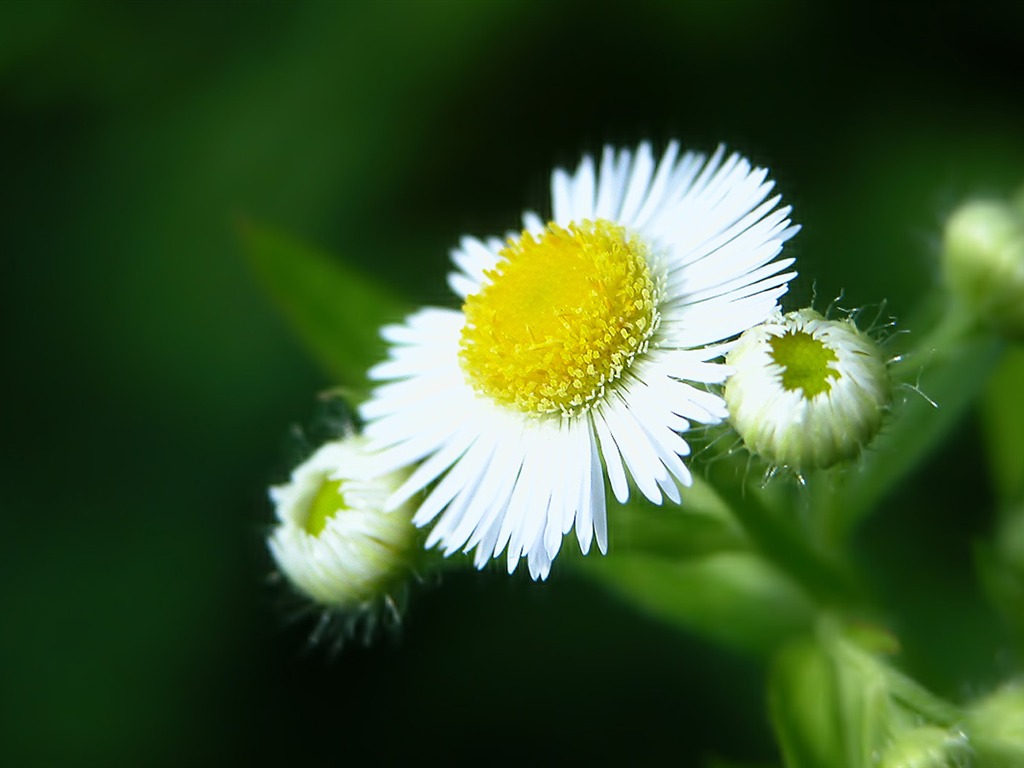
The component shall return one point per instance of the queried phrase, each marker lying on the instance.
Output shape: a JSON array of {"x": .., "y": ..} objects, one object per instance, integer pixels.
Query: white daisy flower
[
  {"x": 582, "y": 350},
  {"x": 333, "y": 541},
  {"x": 806, "y": 392}
]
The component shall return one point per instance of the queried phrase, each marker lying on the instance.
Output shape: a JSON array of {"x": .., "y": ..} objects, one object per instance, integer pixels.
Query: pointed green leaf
[{"x": 335, "y": 309}]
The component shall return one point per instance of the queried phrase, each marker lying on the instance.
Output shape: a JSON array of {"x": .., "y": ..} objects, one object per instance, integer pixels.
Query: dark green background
[{"x": 151, "y": 385}]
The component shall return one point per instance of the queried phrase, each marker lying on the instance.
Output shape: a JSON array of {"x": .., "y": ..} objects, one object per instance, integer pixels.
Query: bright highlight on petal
[{"x": 583, "y": 352}]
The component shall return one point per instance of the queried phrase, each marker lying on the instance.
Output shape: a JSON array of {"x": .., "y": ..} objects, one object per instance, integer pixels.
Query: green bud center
[
  {"x": 328, "y": 501},
  {"x": 804, "y": 361}
]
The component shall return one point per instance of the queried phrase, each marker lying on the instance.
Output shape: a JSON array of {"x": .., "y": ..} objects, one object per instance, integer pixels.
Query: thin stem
[{"x": 779, "y": 541}]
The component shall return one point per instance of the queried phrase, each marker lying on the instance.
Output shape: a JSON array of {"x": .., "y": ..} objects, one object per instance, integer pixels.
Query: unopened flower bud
[
  {"x": 806, "y": 392},
  {"x": 983, "y": 262},
  {"x": 333, "y": 540}
]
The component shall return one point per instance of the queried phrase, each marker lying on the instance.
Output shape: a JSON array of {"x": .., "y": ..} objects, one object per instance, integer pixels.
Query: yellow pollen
[
  {"x": 560, "y": 317},
  {"x": 805, "y": 362}
]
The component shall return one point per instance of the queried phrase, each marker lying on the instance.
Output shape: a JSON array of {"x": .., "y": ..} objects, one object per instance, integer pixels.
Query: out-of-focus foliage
[{"x": 1003, "y": 422}]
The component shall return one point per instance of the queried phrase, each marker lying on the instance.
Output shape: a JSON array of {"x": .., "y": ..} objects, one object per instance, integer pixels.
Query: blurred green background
[{"x": 151, "y": 384}]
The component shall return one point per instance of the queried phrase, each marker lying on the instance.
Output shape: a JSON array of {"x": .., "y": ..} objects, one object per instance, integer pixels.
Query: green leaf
[
  {"x": 1002, "y": 418},
  {"x": 336, "y": 310},
  {"x": 735, "y": 598}
]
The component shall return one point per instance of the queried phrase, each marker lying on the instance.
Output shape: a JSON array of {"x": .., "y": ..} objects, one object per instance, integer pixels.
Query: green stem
[{"x": 781, "y": 543}]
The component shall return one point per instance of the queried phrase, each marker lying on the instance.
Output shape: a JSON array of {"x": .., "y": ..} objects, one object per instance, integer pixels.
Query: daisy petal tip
[{"x": 621, "y": 494}]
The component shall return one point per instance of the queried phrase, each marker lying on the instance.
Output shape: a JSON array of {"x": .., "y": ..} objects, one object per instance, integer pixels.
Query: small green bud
[
  {"x": 983, "y": 262},
  {"x": 333, "y": 541},
  {"x": 806, "y": 392},
  {"x": 927, "y": 747}
]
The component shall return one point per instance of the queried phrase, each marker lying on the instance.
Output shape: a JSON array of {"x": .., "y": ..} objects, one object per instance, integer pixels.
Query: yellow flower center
[
  {"x": 325, "y": 505},
  {"x": 804, "y": 361},
  {"x": 560, "y": 317}
]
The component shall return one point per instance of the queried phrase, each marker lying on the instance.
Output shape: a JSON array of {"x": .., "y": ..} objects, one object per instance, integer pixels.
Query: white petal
[
  {"x": 598, "y": 499},
  {"x": 583, "y": 190},
  {"x": 587, "y": 456},
  {"x": 636, "y": 192},
  {"x": 457, "y": 522},
  {"x": 636, "y": 450},
  {"x": 612, "y": 459},
  {"x": 533, "y": 223},
  {"x": 659, "y": 186},
  {"x": 561, "y": 198},
  {"x": 610, "y": 185}
]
